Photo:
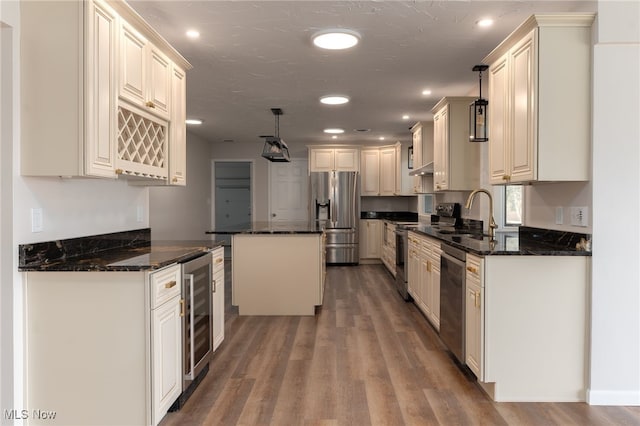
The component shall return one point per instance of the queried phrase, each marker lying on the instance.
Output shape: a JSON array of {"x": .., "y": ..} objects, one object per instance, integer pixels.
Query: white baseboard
[{"x": 596, "y": 397}]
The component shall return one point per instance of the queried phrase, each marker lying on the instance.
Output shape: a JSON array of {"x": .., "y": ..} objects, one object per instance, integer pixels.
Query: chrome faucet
[{"x": 492, "y": 222}]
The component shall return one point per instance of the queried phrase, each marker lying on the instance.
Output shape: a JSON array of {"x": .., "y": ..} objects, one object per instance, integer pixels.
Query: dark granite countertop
[
  {"x": 390, "y": 216},
  {"x": 120, "y": 251},
  {"x": 304, "y": 227},
  {"x": 526, "y": 241}
]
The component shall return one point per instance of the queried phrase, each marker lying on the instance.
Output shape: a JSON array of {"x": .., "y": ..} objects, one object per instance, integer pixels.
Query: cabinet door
[
  {"x": 100, "y": 127},
  {"x": 441, "y": 150},
  {"x": 321, "y": 160},
  {"x": 347, "y": 160},
  {"x": 133, "y": 65},
  {"x": 388, "y": 171},
  {"x": 370, "y": 175},
  {"x": 178, "y": 137},
  {"x": 472, "y": 326},
  {"x": 417, "y": 147},
  {"x": 435, "y": 285},
  {"x": 166, "y": 355},
  {"x": 498, "y": 121},
  {"x": 523, "y": 112},
  {"x": 159, "y": 88}
]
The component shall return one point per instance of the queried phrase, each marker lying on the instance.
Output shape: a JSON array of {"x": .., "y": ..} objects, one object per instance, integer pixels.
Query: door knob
[{"x": 273, "y": 215}]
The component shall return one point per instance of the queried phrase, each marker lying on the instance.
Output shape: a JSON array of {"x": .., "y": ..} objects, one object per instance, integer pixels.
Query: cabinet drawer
[
  {"x": 218, "y": 260},
  {"x": 165, "y": 284},
  {"x": 474, "y": 269}
]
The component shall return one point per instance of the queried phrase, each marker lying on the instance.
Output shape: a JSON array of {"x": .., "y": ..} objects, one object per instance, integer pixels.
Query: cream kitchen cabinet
[
  {"x": 416, "y": 137},
  {"x": 389, "y": 246},
  {"x": 456, "y": 163},
  {"x": 516, "y": 345},
  {"x": 88, "y": 133},
  {"x": 474, "y": 331},
  {"x": 104, "y": 340},
  {"x": 329, "y": 158},
  {"x": 424, "y": 275},
  {"x": 178, "y": 136},
  {"x": 217, "y": 287},
  {"x": 74, "y": 73},
  {"x": 370, "y": 172},
  {"x": 166, "y": 340},
  {"x": 540, "y": 101},
  {"x": 144, "y": 73},
  {"x": 370, "y": 239}
]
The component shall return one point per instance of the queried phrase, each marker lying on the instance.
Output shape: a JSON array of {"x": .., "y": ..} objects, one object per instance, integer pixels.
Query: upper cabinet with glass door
[{"x": 540, "y": 101}]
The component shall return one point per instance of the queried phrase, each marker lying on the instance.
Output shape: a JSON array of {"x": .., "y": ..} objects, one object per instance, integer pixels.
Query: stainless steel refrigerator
[{"x": 335, "y": 205}]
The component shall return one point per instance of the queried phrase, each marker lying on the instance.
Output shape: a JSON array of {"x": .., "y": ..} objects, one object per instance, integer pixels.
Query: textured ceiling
[{"x": 253, "y": 56}]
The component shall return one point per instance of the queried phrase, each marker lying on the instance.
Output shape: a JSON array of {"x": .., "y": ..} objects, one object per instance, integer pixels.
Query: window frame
[{"x": 500, "y": 199}]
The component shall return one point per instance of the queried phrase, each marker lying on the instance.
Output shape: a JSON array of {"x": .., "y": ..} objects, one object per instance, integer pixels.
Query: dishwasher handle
[{"x": 454, "y": 252}]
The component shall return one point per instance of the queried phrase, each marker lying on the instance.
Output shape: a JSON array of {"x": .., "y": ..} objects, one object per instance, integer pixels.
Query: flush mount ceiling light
[
  {"x": 336, "y": 39},
  {"x": 334, "y": 99},
  {"x": 193, "y": 34},
  {"x": 193, "y": 121},
  {"x": 406, "y": 117},
  {"x": 487, "y": 22},
  {"x": 478, "y": 112},
  {"x": 334, "y": 131},
  {"x": 426, "y": 92}
]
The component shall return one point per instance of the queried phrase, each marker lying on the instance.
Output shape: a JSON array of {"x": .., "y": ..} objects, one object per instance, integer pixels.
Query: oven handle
[{"x": 189, "y": 374}]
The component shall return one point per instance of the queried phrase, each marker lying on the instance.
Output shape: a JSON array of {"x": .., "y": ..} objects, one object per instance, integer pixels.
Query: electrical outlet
[
  {"x": 559, "y": 215},
  {"x": 36, "y": 220},
  {"x": 579, "y": 216}
]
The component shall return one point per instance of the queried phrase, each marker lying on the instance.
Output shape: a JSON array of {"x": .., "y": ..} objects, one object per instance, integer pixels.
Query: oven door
[{"x": 196, "y": 324}]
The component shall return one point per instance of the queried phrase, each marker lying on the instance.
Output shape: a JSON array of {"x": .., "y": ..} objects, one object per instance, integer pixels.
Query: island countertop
[
  {"x": 120, "y": 251},
  {"x": 293, "y": 227}
]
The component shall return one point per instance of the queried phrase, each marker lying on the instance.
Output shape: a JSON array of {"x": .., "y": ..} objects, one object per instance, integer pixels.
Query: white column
[{"x": 615, "y": 313}]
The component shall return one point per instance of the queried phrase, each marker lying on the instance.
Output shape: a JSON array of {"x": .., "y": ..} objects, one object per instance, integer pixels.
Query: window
[{"x": 513, "y": 205}]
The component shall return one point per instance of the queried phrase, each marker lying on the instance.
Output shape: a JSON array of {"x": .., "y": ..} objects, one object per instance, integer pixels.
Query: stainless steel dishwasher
[{"x": 452, "y": 282}]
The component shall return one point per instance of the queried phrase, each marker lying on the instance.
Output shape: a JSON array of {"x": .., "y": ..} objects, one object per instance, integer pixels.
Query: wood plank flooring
[{"x": 366, "y": 358}]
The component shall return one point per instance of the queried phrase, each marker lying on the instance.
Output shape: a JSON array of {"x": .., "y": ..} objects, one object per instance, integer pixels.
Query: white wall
[
  {"x": 615, "y": 311},
  {"x": 71, "y": 208},
  {"x": 541, "y": 201},
  {"x": 184, "y": 212}
]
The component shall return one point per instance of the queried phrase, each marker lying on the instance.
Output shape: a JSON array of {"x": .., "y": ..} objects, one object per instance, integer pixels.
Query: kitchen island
[{"x": 277, "y": 268}]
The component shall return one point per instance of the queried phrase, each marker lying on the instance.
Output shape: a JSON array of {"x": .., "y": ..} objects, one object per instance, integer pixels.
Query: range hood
[
  {"x": 427, "y": 169},
  {"x": 275, "y": 149}
]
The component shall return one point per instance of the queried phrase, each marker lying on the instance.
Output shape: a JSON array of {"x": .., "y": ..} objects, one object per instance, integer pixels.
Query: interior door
[
  {"x": 232, "y": 198},
  {"x": 288, "y": 191}
]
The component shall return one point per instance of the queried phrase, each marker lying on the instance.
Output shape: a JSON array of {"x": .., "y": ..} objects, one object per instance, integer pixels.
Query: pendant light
[
  {"x": 478, "y": 113},
  {"x": 275, "y": 149}
]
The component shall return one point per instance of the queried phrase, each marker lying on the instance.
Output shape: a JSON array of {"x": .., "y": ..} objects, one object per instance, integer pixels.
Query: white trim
[{"x": 605, "y": 397}]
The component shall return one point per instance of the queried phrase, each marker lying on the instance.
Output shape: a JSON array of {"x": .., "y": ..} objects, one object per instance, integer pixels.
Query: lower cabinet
[
  {"x": 370, "y": 239},
  {"x": 217, "y": 287},
  {"x": 424, "y": 275},
  {"x": 473, "y": 315},
  {"x": 166, "y": 340},
  {"x": 389, "y": 246},
  {"x": 526, "y": 326},
  {"x": 108, "y": 343}
]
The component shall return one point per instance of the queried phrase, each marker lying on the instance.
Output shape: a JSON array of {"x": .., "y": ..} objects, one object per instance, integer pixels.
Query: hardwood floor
[{"x": 366, "y": 358}]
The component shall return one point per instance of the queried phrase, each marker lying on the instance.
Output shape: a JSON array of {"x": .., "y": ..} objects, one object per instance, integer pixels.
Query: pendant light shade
[{"x": 478, "y": 129}]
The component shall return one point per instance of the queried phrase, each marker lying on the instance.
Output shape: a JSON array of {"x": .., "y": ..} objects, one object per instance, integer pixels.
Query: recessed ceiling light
[
  {"x": 334, "y": 137},
  {"x": 381, "y": 138},
  {"x": 487, "y": 22},
  {"x": 336, "y": 39},
  {"x": 334, "y": 99},
  {"x": 405, "y": 117},
  {"x": 426, "y": 92},
  {"x": 332, "y": 131},
  {"x": 193, "y": 121},
  {"x": 193, "y": 34}
]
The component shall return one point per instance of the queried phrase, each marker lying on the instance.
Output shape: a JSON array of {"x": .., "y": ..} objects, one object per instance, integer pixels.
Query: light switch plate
[
  {"x": 559, "y": 215},
  {"x": 36, "y": 219}
]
